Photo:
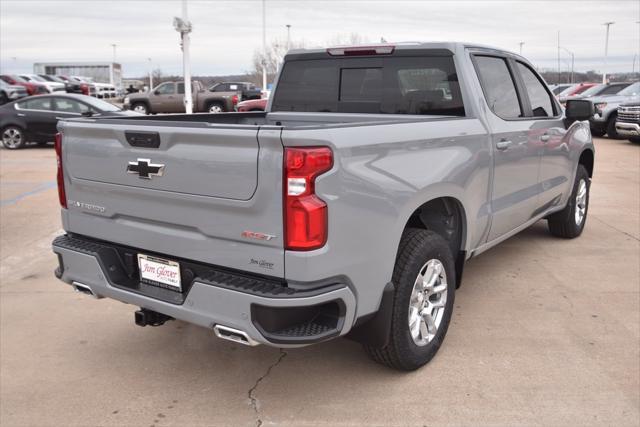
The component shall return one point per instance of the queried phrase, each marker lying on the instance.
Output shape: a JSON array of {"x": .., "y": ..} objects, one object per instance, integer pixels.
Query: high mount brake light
[
  {"x": 62, "y": 196},
  {"x": 305, "y": 214},
  {"x": 361, "y": 50}
]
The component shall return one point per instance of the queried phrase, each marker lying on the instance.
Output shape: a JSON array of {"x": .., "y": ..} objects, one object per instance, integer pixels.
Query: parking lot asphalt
[{"x": 545, "y": 331}]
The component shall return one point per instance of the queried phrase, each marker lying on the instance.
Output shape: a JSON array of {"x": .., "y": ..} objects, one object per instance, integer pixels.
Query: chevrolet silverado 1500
[{"x": 349, "y": 207}]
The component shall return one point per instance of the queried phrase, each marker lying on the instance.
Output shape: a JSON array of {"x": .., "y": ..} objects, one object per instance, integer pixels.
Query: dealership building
[{"x": 100, "y": 72}]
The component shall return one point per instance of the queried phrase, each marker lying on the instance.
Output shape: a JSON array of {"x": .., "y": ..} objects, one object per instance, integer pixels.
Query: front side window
[
  {"x": 166, "y": 89},
  {"x": 498, "y": 86},
  {"x": 539, "y": 98},
  {"x": 36, "y": 104}
]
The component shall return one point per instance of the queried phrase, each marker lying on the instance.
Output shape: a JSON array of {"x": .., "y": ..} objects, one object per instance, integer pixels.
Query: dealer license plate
[{"x": 160, "y": 272}]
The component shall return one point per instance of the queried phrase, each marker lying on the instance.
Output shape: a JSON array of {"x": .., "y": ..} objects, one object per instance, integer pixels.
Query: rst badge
[{"x": 145, "y": 169}]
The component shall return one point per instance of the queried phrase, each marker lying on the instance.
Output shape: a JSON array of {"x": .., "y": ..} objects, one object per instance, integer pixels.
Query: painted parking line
[{"x": 39, "y": 189}]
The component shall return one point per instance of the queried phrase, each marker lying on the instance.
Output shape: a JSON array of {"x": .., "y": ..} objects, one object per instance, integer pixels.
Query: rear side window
[
  {"x": 539, "y": 98},
  {"x": 498, "y": 86},
  {"x": 391, "y": 85},
  {"x": 36, "y": 104}
]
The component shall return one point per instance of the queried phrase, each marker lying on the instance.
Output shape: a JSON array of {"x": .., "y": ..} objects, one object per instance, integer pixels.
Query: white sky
[{"x": 226, "y": 33}]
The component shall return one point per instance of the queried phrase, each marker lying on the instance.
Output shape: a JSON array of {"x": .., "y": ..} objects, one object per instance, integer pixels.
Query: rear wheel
[
  {"x": 13, "y": 137},
  {"x": 215, "y": 108},
  {"x": 3, "y": 98},
  {"x": 635, "y": 139},
  {"x": 140, "y": 107},
  {"x": 569, "y": 222},
  {"x": 424, "y": 279},
  {"x": 598, "y": 132}
]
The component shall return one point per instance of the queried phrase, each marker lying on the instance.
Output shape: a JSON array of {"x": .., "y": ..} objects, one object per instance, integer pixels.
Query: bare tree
[{"x": 276, "y": 50}]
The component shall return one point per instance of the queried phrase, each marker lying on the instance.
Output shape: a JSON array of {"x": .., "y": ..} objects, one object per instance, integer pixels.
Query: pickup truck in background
[
  {"x": 604, "y": 120},
  {"x": 168, "y": 97},
  {"x": 348, "y": 208},
  {"x": 245, "y": 90},
  {"x": 628, "y": 121}
]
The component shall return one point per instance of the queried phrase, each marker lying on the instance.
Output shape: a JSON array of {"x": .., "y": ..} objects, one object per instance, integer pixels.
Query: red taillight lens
[
  {"x": 61, "y": 193},
  {"x": 31, "y": 89},
  {"x": 84, "y": 88},
  {"x": 305, "y": 214},
  {"x": 234, "y": 99}
]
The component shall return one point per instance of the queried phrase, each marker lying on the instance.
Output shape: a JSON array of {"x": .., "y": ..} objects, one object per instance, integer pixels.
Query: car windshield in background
[
  {"x": 559, "y": 89},
  {"x": 634, "y": 89},
  {"x": 400, "y": 85},
  {"x": 99, "y": 104}
]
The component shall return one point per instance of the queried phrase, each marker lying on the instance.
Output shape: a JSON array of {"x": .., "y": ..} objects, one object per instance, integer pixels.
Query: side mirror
[
  {"x": 579, "y": 109},
  {"x": 88, "y": 113},
  {"x": 156, "y": 92}
]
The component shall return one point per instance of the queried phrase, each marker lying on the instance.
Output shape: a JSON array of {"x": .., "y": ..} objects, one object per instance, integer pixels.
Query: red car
[
  {"x": 252, "y": 105},
  {"x": 577, "y": 89},
  {"x": 32, "y": 88}
]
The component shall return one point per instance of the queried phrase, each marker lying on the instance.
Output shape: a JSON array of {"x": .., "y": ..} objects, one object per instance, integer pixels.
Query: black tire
[
  {"x": 140, "y": 107},
  {"x": 417, "y": 246},
  {"x": 611, "y": 128},
  {"x": 635, "y": 139},
  {"x": 13, "y": 137},
  {"x": 598, "y": 132},
  {"x": 3, "y": 98},
  {"x": 215, "y": 108},
  {"x": 564, "y": 223}
]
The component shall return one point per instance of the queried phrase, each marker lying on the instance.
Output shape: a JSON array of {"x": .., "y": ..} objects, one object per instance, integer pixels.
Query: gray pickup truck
[
  {"x": 348, "y": 208},
  {"x": 168, "y": 97}
]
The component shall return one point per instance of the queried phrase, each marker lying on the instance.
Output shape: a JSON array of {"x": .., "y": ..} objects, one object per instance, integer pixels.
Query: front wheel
[
  {"x": 13, "y": 137},
  {"x": 424, "y": 279},
  {"x": 611, "y": 128},
  {"x": 569, "y": 222},
  {"x": 635, "y": 139}
]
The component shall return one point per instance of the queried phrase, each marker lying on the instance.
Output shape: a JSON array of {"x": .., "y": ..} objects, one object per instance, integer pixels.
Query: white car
[
  {"x": 105, "y": 90},
  {"x": 51, "y": 86}
]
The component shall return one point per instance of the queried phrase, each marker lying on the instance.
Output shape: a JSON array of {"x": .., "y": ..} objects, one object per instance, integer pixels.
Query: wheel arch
[
  {"x": 587, "y": 159},
  {"x": 446, "y": 216}
]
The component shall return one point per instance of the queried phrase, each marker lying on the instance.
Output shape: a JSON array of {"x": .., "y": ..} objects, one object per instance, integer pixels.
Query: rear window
[{"x": 391, "y": 85}]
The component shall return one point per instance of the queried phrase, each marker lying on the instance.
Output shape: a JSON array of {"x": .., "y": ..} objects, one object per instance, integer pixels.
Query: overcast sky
[{"x": 226, "y": 33}]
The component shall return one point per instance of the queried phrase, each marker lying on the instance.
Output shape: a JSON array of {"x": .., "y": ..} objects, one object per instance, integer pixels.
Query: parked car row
[
  {"x": 34, "y": 118},
  {"x": 43, "y": 83},
  {"x": 608, "y": 99}
]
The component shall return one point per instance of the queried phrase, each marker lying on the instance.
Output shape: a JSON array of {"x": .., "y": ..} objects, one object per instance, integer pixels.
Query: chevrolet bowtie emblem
[{"x": 145, "y": 169}]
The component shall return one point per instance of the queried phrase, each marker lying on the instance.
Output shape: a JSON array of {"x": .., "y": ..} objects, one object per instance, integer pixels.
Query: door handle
[
  {"x": 544, "y": 138},
  {"x": 20, "y": 114},
  {"x": 503, "y": 144}
]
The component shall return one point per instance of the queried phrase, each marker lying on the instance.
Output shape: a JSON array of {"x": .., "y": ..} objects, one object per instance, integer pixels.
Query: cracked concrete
[
  {"x": 254, "y": 402},
  {"x": 545, "y": 332}
]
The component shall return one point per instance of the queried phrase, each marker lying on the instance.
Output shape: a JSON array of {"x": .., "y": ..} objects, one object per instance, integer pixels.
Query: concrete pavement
[{"x": 545, "y": 332}]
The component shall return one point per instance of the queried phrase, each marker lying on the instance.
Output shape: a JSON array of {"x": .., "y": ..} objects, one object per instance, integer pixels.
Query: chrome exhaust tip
[
  {"x": 84, "y": 289},
  {"x": 235, "y": 335}
]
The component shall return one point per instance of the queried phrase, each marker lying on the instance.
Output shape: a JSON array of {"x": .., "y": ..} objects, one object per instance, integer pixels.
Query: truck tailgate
[{"x": 194, "y": 196}]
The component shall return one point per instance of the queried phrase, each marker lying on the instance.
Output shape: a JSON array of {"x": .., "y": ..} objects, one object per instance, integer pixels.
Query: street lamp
[
  {"x": 264, "y": 45},
  {"x": 150, "y": 75},
  {"x": 606, "y": 51},
  {"x": 113, "y": 79},
  {"x": 183, "y": 26},
  {"x": 572, "y": 60},
  {"x": 288, "y": 37}
]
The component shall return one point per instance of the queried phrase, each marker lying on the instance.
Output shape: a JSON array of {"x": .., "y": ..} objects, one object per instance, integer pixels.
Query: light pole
[
  {"x": 113, "y": 45},
  {"x": 183, "y": 26},
  {"x": 572, "y": 60},
  {"x": 606, "y": 51},
  {"x": 288, "y": 37},
  {"x": 150, "y": 75},
  {"x": 264, "y": 45},
  {"x": 558, "y": 57},
  {"x": 521, "y": 43}
]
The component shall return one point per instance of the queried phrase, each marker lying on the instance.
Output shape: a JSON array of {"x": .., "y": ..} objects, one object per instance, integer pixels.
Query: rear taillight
[
  {"x": 84, "y": 88},
  {"x": 61, "y": 193},
  {"x": 305, "y": 214},
  {"x": 234, "y": 99},
  {"x": 31, "y": 89}
]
